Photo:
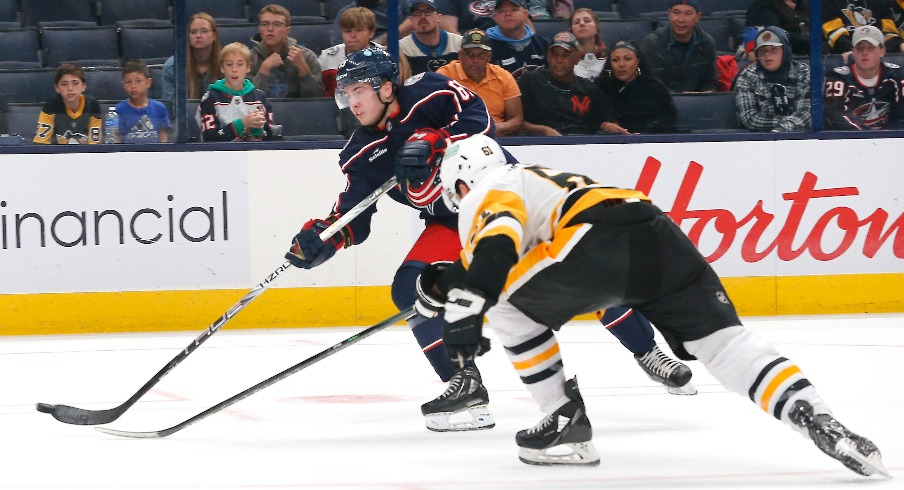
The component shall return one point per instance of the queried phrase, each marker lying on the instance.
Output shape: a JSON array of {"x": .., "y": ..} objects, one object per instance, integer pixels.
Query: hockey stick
[
  {"x": 265, "y": 383},
  {"x": 80, "y": 416}
]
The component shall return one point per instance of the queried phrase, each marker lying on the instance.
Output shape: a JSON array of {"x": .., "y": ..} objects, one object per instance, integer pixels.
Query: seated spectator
[
  {"x": 642, "y": 104},
  {"x": 841, "y": 17},
  {"x": 70, "y": 117},
  {"x": 681, "y": 54},
  {"x": 516, "y": 47},
  {"x": 428, "y": 47},
  {"x": 865, "y": 94},
  {"x": 358, "y": 26},
  {"x": 773, "y": 94},
  {"x": 141, "y": 119},
  {"x": 233, "y": 110},
  {"x": 561, "y": 9},
  {"x": 557, "y": 102},
  {"x": 476, "y": 14},
  {"x": 585, "y": 25},
  {"x": 492, "y": 83},
  {"x": 791, "y": 15},
  {"x": 538, "y": 9},
  {"x": 282, "y": 68},
  {"x": 201, "y": 59},
  {"x": 449, "y": 9}
]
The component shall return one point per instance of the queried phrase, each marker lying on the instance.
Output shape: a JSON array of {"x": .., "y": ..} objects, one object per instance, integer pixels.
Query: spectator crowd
[{"x": 542, "y": 67}]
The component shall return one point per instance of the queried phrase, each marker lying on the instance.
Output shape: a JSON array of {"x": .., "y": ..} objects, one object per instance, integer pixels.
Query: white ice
[{"x": 352, "y": 420}]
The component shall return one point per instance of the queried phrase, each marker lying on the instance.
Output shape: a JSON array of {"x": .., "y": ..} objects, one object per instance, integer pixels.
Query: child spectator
[
  {"x": 773, "y": 94},
  {"x": 642, "y": 103},
  {"x": 358, "y": 26},
  {"x": 233, "y": 110},
  {"x": 141, "y": 119},
  {"x": 585, "y": 25},
  {"x": 201, "y": 59},
  {"x": 70, "y": 117}
]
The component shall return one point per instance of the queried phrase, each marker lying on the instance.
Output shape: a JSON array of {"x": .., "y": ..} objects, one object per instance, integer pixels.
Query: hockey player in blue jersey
[{"x": 404, "y": 129}]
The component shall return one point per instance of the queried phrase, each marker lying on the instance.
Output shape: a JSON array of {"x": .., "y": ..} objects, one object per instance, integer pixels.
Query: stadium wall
[{"x": 153, "y": 241}]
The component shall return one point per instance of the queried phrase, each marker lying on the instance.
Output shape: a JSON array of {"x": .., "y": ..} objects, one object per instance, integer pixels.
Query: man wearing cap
[
  {"x": 557, "y": 102},
  {"x": 428, "y": 47},
  {"x": 773, "y": 93},
  {"x": 681, "y": 54},
  {"x": 516, "y": 47},
  {"x": 841, "y": 17},
  {"x": 496, "y": 86},
  {"x": 866, "y": 93}
]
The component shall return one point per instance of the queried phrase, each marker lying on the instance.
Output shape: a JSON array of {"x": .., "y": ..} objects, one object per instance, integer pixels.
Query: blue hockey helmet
[{"x": 370, "y": 65}]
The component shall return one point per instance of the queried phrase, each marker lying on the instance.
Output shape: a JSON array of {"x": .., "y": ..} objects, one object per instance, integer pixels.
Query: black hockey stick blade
[
  {"x": 80, "y": 416},
  {"x": 156, "y": 434}
]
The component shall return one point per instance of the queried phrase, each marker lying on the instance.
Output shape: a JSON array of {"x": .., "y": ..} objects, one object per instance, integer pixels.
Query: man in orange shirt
[{"x": 495, "y": 85}]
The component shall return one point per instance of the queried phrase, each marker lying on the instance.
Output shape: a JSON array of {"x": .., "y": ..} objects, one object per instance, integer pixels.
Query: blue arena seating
[
  {"x": 297, "y": 8},
  {"x": 307, "y": 119},
  {"x": 21, "y": 44},
  {"x": 105, "y": 83},
  {"x": 36, "y": 11},
  {"x": 27, "y": 86},
  {"x": 238, "y": 33},
  {"x": 113, "y": 11},
  {"x": 22, "y": 119},
  {"x": 151, "y": 44},
  {"x": 614, "y": 30},
  {"x": 315, "y": 37},
  {"x": 224, "y": 11},
  {"x": 94, "y": 46},
  {"x": 706, "y": 112}
]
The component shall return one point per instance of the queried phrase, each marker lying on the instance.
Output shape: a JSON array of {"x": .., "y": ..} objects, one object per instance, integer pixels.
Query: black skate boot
[
  {"x": 465, "y": 392},
  {"x": 568, "y": 428},
  {"x": 674, "y": 375},
  {"x": 858, "y": 453}
]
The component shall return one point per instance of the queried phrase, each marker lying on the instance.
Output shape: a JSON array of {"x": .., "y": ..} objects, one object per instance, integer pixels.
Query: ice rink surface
[{"x": 352, "y": 421}]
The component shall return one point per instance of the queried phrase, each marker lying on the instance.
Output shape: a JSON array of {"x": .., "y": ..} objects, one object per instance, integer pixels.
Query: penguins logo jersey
[{"x": 57, "y": 125}]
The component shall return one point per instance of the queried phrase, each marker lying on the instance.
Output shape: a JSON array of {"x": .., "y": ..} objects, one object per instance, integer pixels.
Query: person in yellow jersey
[
  {"x": 542, "y": 245},
  {"x": 70, "y": 117}
]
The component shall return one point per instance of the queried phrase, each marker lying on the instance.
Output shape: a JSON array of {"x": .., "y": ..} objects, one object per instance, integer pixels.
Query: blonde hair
[
  {"x": 213, "y": 68},
  {"x": 235, "y": 48},
  {"x": 276, "y": 9},
  {"x": 358, "y": 17}
]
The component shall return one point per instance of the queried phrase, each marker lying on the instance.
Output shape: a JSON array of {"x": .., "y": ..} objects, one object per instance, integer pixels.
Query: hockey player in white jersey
[{"x": 541, "y": 246}]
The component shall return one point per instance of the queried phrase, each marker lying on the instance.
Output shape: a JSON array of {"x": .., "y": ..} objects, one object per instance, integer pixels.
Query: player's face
[
  {"x": 474, "y": 62},
  {"x": 683, "y": 18},
  {"x": 583, "y": 27},
  {"x": 867, "y": 57},
  {"x": 770, "y": 57},
  {"x": 356, "y": 38},
  {"x": 274, "y": 30},
  {"x": 624, "y": 64},
  {"x": 235, "y": 67},
  {"x": 561, "y": 62},
  {"x": 425, "y": 18},
  {"x": 364, "y": 103},
  {"x": 136, "y": 85},
  {"x": 70, "y": 87},
  {"x": 201, "y": 34},
  {"x": 510, "y": 16}
]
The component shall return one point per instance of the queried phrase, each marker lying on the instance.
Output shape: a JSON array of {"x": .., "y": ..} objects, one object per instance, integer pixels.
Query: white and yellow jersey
[{"x": 535, "y": 207}]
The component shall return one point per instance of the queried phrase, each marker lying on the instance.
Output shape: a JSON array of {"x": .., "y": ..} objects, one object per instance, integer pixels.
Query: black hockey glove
[
  {"x": 420, "y": 156},
  {"x": 430, "y": 297},
  {"x": 308, "y": 250},
  {"x": 462, "y": 333}
]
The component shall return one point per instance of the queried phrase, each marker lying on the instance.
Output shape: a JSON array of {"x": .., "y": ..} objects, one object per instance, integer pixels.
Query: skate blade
[
  {"x": 571, "y": 454},
  {"x": 688, "y": 389},
  {"x": 871, "y": 464},
  {"x": 475, "y": 418}
]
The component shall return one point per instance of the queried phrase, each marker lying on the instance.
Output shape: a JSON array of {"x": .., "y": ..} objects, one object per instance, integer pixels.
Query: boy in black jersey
[{"x": 70, "y": 117}]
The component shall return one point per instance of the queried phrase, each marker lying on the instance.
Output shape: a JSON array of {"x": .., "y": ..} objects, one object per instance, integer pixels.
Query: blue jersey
[
  {"x": 142, "y": 125},
  {"x": 428, "y": 100}
]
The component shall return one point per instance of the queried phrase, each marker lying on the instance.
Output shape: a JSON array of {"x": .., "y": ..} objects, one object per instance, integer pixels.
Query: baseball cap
[
  {"x": 414, "y": 3},
  {"x": 565, "y": 40},
  {"x": 476, "y": 38},
  {"x": 766, "y": 38},
  {"x": 871, "y": 34},
  {"x": 520, "y": 3},
  {"x": 692, "y": 3}
]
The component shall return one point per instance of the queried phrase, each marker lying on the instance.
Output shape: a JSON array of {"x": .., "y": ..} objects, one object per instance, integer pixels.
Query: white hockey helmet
[{"x": 469, "y": 161}]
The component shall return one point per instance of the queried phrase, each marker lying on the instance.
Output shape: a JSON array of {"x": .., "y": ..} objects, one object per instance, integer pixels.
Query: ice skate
[
  {"x": 465, "y": 392},
  {"x": 563, "y": 437},
  {"x": 674, "y": 375},
  {"x": 856, "y": 452}
]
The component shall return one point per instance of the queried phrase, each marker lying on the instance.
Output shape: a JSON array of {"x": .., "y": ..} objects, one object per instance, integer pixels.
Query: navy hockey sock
[
  {"x": 630, "y": 328},
  {"x": 429, "y": 335}
]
